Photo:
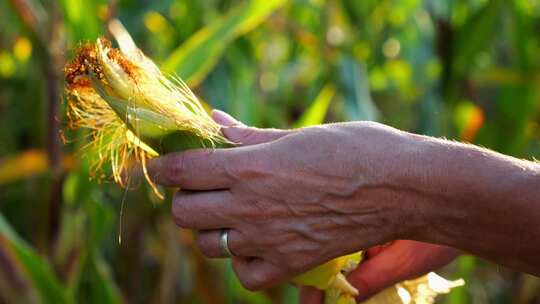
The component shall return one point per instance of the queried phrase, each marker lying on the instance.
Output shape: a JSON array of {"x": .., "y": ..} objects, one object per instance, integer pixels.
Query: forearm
[{"x": 475, "y": 200}]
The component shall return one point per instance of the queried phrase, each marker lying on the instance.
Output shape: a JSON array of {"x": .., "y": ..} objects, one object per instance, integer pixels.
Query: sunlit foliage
[{"x": 466, "y": 70}]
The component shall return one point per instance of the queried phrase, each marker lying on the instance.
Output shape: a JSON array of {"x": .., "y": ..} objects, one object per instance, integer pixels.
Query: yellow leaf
[{"x": 26, "y": 164}]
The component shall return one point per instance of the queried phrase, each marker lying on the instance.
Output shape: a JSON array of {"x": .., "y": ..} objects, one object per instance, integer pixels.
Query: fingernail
[{"x": 224, "y": 119}]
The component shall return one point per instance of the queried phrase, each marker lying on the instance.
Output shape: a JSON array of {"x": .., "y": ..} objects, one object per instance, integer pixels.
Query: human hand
[
  {"x": 291, "y": 200},
  {"x": 387, "y": 265}
]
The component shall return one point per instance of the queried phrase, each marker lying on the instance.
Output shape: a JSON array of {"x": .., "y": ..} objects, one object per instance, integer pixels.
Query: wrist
[
  {"x": 437, "y": 191},
  {"x": 390, "y": 176}
]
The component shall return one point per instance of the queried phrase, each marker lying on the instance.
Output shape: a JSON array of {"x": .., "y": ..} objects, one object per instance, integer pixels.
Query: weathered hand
[
  {"x": 291, "y": 200},
  {"x": 389, "y": 264}
]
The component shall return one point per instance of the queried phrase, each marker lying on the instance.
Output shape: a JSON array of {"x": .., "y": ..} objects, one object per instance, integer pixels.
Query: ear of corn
[{"x": 135, "y": 112}]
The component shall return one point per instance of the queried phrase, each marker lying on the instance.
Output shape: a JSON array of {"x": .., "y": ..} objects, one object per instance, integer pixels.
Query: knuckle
[
  {"x": 252, "y": 284},
  {"x": 233, "y": 164},
  {"x": 249, "y": 165},
  {"x": 175, "y": 167},
  {"x": 247, "y": 133},
  {"x": 257, "y": 281},
  {"x": 245, "y": 282}
]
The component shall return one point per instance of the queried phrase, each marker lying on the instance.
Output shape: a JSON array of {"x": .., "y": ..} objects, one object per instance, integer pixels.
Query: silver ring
[{"x": 224, "y": 243}]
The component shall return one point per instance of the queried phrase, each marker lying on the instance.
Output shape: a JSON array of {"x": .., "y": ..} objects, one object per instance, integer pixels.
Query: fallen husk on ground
[{"x": 135, "y": 113}]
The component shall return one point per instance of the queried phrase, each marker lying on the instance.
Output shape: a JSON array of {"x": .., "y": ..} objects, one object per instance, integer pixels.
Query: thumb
[
  {"x": 241, "y": 134},
  {"x": 401, "y": 260},
  {"x": 374, "y": 275}
]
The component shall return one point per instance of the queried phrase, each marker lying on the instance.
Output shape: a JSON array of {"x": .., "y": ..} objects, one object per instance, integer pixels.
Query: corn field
[{"x": 467, "y": 70}]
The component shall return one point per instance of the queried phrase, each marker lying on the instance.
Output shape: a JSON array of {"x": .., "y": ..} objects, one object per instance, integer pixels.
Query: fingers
[
  {"x": 192, "y": 170},
  {"x": 208, "y": 242},
  {"x": 205, "y": 210},
  {"x": 310, "y": 295},
  {"x": 373, "y": 276},
  {"x": 206, "y": 169},
  {"x": 382, "y": 270},
  {"x": 224, "y": 119},
  {"x": 256, "y": 274},
  {"x": 401, "y": 260},
  {"x": 239, "y": 133},
  {"x": 373, "y": 251}
]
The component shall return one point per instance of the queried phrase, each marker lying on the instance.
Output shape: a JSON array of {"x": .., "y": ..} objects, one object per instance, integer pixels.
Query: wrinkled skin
[
  {"x": 296, "y": 211},
  {"x": 295, "y": 199}
]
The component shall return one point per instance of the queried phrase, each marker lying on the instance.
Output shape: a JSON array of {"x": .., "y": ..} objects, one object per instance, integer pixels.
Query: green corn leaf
[
  {"x": 355, "y": 90},
  {"x": 39, "y": 273},
  {"x": 82, "y": 19},
  {"x": 102, "y": 287},
  {"x": 194, "y": 59},
  {"x": 316, "y": 112},
  {"x": 481, "y": 26}
]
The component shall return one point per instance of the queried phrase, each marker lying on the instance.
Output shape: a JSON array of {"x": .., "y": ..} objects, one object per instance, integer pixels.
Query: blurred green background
[{"x": 465, "y": 70}]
